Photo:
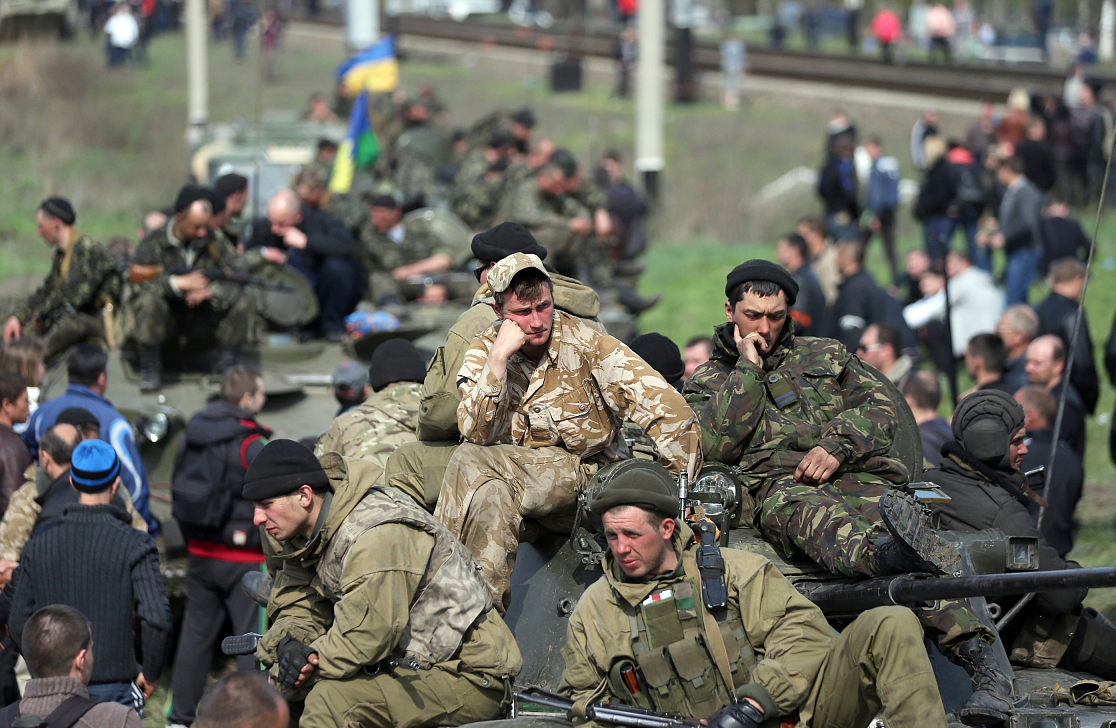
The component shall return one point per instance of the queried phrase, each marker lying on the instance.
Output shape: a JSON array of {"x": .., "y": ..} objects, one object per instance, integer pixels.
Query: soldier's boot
[
  {"x": 151, "y": 369},
  {"x": 257, "y": 585},
  {"x": 913, "y": 541},
  {"x": 991, "y": 701},
  {"x": 1093, "y": 647},
  {"x": 227, "y": 357}
]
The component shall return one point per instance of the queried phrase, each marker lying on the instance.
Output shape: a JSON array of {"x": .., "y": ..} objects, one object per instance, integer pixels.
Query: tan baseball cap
[{"x": 500, "y": 277}]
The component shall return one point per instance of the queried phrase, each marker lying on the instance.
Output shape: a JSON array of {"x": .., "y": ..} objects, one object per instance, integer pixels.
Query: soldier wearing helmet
[
  {"x": 642, "y": 634},
  {"x": 980, "y": 473}
]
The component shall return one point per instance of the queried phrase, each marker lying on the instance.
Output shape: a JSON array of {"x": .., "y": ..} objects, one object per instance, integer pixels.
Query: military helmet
[
  {"x": 632, "y": 482},
  {"x": 984, "y": 423}
]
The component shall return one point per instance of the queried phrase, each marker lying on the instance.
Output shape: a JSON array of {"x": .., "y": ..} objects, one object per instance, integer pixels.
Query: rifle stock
[{"x": 610, "y": 713}]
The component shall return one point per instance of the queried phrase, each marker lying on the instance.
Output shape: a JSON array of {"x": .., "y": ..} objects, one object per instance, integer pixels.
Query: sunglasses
[{"x": 478, "y": 270}]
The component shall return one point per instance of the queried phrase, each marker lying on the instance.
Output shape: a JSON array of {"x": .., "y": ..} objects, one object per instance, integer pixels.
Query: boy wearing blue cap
[{"x": 93, "y": 560}]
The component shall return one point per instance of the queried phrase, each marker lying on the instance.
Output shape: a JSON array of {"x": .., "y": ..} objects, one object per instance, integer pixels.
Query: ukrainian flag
[
  {"x": 373, "y": 69},
  {"x": 359, "y": 148}
]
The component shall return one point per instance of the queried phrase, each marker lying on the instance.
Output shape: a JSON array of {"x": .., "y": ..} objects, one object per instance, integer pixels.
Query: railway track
[{"x": 982, "y": 82}]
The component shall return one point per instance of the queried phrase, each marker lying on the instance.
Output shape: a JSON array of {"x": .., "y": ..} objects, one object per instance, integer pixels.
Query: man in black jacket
[
  {"x": 1020, "y": 229},
  {"x": 92, "y": 560},
  {"x": 221, "y": 441},
  {"x": 317, "y": 245},
  {"x": 1057, "y": 314},
  {"x": 980, "y": 473}
]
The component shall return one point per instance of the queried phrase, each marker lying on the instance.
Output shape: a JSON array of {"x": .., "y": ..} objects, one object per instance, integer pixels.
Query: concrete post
[
  {"x": 649, "y": 160},
  {"x": 362, "y": 23},
  {"x": 197, "y": 71}
]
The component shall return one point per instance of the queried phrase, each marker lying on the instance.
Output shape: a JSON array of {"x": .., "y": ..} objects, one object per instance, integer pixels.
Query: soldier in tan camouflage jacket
[
  {"x": 543, "y": 398},
  {"x": 387, "y": 419}
]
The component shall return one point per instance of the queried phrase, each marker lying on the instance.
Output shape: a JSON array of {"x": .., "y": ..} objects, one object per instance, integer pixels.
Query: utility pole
[
  {"x": 649, "y": 96},
  {"x": 197, "y": 72},
  {"x": 1107, "y": 21},
  {"x": 362, "y": 23}
]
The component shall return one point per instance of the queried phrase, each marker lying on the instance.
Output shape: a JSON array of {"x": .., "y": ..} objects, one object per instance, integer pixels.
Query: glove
[
  {"x": 737, "y": 715},
  {"x": 293, "y": 656}
]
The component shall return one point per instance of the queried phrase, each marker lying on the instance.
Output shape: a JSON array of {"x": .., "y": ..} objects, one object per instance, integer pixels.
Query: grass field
[{"x": 114, "y": 144}]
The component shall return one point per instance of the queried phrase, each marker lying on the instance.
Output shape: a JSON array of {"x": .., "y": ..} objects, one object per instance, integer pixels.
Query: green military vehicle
[{"x": 19, "y": 17}]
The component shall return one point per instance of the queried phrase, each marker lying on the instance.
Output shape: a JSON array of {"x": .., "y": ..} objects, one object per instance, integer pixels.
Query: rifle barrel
[{"x": 844, "y": 597}]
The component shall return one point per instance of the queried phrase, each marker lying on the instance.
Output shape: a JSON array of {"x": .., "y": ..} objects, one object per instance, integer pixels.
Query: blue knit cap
[{"x": 93, "y": 466}]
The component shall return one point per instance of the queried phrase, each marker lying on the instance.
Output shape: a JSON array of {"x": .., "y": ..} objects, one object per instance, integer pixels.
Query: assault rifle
[
  {"x": 853, "y": 597},
  {"x": 137, "y": 273},
  {"x": 610, "y": 713},
  {"x": 240, "y": 644}
]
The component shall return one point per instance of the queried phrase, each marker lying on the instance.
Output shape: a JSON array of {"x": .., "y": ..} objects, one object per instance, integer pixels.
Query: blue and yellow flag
[
  {"x": 373, "y": 69},
  {"x": 360, "y": 147}
]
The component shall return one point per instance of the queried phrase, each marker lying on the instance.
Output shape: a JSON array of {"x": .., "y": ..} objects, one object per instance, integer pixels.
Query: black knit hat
[
  {"x": 187, "y": 196},
  {"x": 281, "y": 468},
  {"x": 383, "y": 201},
  {"x": 395, "y": 360},
  {"x": 662, "y": 354},
  {"x": 60, "y": 208},
  {"x": 525, "y": 117},
  {"x": 503, "y": 240},
  {"x": 230, "y": 183},
  {"x": 762, "y": 270}
]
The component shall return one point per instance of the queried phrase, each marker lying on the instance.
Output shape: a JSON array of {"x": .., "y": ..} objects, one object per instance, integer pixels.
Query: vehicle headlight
[
  {"x": 153, "y": 427},
  {"x": 718, "y": 490}
]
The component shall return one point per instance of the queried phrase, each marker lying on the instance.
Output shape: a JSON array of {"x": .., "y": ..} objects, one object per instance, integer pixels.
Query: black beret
[
  {"x": 229, "y": 183},
  {"x": 395, "y": 360},
  {"x": 384, "y": 201},
  {"x": 187, "y": 196},
  {"x": 501, "y": 138},
  {"x": 762, "y": 270},
  {"x": 524, "y": 117},
  {"x": 503, "y": 240},
  {"x": 662, "y": 354},
  {"x": 565, "y": 161},
  {"x": 76, "y": 416},
  {"x": 281, "y": 468},
  {"x": 60, "y": 208}
]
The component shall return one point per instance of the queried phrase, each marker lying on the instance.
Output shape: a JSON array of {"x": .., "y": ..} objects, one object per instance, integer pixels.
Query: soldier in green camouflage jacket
[
  {"x": 810, "y": 430},
  {"x": 387, "y": 419},
  {"x": 67, "y": 309}
]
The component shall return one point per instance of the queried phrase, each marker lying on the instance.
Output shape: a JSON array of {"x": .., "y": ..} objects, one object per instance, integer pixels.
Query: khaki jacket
[
  {"x": 440, "y": 396},
  {"x": 787, "y": 632},
  {"x": 576, "y": 398}
]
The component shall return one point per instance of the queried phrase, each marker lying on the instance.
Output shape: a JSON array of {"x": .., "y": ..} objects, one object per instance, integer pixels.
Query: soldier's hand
[
  {"x": 817, "y": 467},
  {"x": 294, "y": 238},
  {"x": 275, "y": 256},
  {"x": 510, "y": 340},
  {"x": 7, "y": 568},
  {"x": 745, "y": 714},
  {"x": 581, "y": 225},
  {"x": 195, "y": 297},
  {"x": 296, "y": 662},
  {"x": 602, "y": 223},
  {"x": 192, "y": 281},
  {"x": 750, "y": 347},
  {"x": 147, "y": 687},
  {"x": 12, "y": 329}
]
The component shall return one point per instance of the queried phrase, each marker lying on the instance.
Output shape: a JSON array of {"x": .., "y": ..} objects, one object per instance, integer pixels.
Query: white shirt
[{"x": 122, "y": 29}]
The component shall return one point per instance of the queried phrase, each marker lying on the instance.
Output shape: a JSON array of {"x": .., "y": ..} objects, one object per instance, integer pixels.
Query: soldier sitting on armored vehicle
[
  {"x": 388, "y": 418},
  {"x": 392, "y": 251},
  {"x": 318, "y": 246},
  {"x": 980, "y": 472},
  {"x": 234, "y": 187},
  {"x": 376, "y": 609},
  {"x": 477, "y": 199},
  {"x": 642, "y": 634},
  {"x": 419, "y": 467},
  {"x": 68, "y": 308},
  {"x": 542, "y": 398},
  {"x": 166, "y": 306},
  {"x": 809, "y": 429}
]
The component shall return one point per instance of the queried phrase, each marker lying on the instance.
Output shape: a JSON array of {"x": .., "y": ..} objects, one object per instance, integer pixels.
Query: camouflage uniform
[
  {"x": 156, "y": 310},
  {"x": 373, "y": 430},
  {"x": 67, "y": 308},
  {"x": 828, "y": 400},
  {"x": 380, "y": 255},
  {"x": 548, "y": 218},
  {"x": 781, "y": 651},
  {"x": 381, "y": 580},
  {"x": 536, "y": 436},
  {"x": 478, "y": 199}
]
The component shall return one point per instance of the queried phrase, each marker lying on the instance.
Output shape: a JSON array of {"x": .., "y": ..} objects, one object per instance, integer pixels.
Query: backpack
[
  {"x": 200, "y": 498},
  {"x": 65, "y": 715}
]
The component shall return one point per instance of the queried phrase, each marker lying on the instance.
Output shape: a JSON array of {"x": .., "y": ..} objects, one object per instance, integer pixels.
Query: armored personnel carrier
[{"x": 27, "y": 16}]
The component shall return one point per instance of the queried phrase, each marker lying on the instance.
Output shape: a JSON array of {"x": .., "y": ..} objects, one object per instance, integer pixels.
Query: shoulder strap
[
  {"x": 8, "y": 715},
  {"x": 70, "y": 711},
  {"x": 713, "y": 637}
]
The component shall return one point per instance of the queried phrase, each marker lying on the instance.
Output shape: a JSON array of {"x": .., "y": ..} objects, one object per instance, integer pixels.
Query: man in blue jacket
[{"x": 85, "y": 368}]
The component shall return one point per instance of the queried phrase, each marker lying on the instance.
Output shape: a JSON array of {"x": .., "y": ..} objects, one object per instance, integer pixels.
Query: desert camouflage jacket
[
  {"x": 827, "y": 399},
  {"x": 78, "y": 282},
  {"x": 161, "y": 248},
  {"x": 577, "y": 397},
  {"x": 372, "y": 431}
]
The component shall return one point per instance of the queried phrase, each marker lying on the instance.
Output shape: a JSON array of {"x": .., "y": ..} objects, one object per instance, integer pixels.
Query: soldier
[
  {"x": 543, "y": 394},
  {"x": 349, "y": 386},
  {"x": 420, "y": 467},
  {"x": 980, "y": 473},
  {"x": 809, "y": 429},
  {"x": 68, "y": 308},
  {"x": 185, "y": 302},
  {"x": 391, "y": 251},
  {"x": 318, "y": 246},
  {"x": 234, "y": 187},
  {"x": 779, "y": 658},
  {"x": 376, "y": 609},
  {"x": 373, "y": 430},
  {"x": 478, "y": 199},
  {"x": 419, "y": 153},
  {"x": 478, "y": 159}
]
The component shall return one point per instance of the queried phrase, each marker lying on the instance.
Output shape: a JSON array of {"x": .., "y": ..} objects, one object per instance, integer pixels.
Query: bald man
[
  {"x": 179, "y": 300},
  {"x": 317, "y": 245},
  {"x": 1046, "y": 364}
]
